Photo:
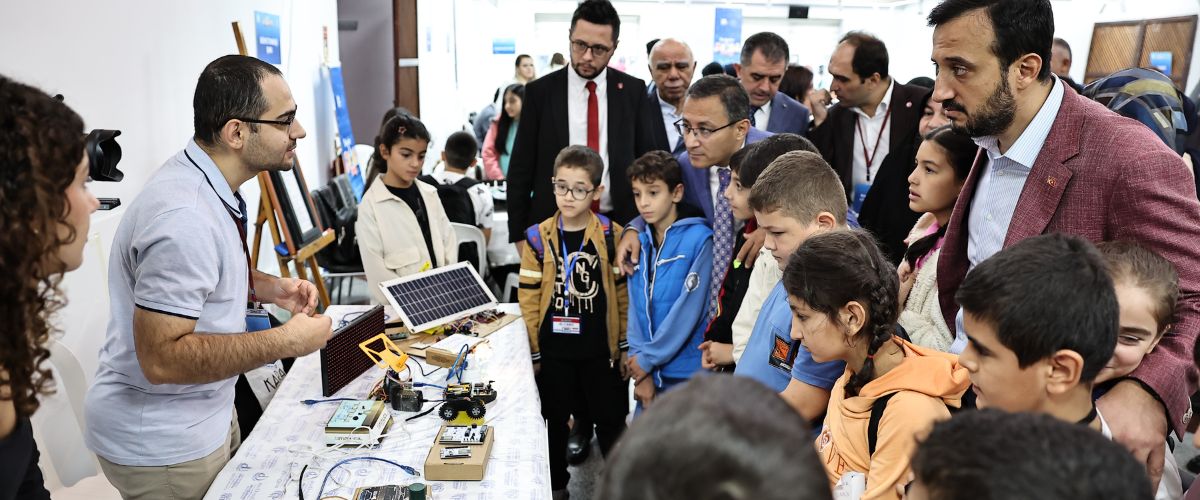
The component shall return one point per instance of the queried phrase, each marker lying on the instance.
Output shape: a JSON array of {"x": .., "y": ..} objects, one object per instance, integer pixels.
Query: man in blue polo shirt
[{"x": 185, "y": 316}]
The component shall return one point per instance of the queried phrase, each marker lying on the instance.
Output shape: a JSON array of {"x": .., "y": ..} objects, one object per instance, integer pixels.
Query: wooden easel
[{"x": 305, "y": 256}]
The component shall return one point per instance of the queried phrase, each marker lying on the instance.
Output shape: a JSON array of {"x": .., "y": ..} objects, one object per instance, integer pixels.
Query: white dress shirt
[
  {"x": 762, "y": 116},
  {"x": 577, "y": 107},
  {"x": 874, "y": 127},
  {"x": 670, "y": 116}
]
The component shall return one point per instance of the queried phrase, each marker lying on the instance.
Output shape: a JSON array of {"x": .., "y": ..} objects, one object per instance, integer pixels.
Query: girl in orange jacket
[{"x": 843, "y": 295}]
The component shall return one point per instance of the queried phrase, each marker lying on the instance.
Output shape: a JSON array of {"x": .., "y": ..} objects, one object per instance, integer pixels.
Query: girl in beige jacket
[{"x": 402, "y": 228}]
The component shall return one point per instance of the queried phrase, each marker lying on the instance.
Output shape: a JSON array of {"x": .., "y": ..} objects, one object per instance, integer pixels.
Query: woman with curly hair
[{"x": 45, "y": 207}]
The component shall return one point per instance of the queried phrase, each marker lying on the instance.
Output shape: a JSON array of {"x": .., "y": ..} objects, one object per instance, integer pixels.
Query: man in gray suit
[{"x": 763, "y": 62}]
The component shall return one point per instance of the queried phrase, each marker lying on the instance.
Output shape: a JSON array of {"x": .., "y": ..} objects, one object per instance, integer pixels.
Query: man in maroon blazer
[{"x": 1052, "y": 161}]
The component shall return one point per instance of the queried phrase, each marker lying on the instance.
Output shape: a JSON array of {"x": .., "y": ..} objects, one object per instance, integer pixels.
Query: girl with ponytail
[
  {"x": 943, "y": 161},
  {"x": 843, "y": 295}
]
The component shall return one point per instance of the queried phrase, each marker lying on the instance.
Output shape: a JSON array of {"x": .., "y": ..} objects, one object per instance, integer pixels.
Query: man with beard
[
  {"x": 1053, "y": 161},
  {"x": 870, "y": 138},
  {"x": 671, "y": 67},
  {"x": 586, "y": 103},
  {"x": 186, "y": 317}
]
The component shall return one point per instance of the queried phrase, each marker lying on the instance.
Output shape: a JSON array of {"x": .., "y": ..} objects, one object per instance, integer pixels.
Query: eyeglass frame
[
  {"x": 684, "y": 130},
  {"x": 287, "y": 124},
  {"x": 581, "y": 47},
  {"x": 554, "y": 183}
]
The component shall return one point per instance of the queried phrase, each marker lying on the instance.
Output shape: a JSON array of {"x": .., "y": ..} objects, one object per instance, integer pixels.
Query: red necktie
[{"x": 593, "y": 127}]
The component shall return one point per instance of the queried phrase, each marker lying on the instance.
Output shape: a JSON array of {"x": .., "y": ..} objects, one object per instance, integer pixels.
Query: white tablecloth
[{"x": 269, "y": 462}]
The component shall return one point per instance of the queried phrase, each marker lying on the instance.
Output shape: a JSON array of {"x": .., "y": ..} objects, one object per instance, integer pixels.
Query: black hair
[
  {"x": 1043, "y": 294},
  {"x": 735, "y": 160},
  {"x": 397, "y": 125},
  {"x": 773, "y": 47},
  {"x": 960, "y": 152},
  {"x": 1063, "y": 43},
  {"x": 753, "y": 444},
  {"x": 993, "y": 455},
  {"x": 656, "y": 166},
  {"x": 229, "y": 87},
  {"x": 870, "y": 55},
  {"x": 650, "y": 46},
  {"x": 577, "y": 156},
  {"x": 712, "y": 68},
  {"x": 796, "y": 81},
  {"x": 831, "y": 269},
  {"x": 460, "y": 149},
  {"x": 517, "y": 63},
  {"x": 598, "y": 12},
  {"x": 1020, "y": 27},
  {"x": 924, "y": 82},
  {"x": 760, "y": 154},
  {"x": 733, "y": 96},
  {"x": 504, "y": 122}
]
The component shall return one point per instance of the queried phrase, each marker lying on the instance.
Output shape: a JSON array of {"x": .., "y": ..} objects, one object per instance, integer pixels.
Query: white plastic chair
[
  {"x": 59, "y": 424},
  {"x": 470, "y": 234}
]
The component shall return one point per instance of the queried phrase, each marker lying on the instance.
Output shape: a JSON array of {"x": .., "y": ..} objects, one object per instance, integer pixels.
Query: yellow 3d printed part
[{"x": 388, "y": 356}]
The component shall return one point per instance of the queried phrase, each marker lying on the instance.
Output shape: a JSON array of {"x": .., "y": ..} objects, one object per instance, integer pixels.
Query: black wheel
[
  {"x": 476, "y": 410},
  {"x": 447, "y": 412}
]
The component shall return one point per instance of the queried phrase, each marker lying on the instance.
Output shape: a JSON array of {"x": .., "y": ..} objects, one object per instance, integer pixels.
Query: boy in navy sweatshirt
[{"x": 668, "y": 291}]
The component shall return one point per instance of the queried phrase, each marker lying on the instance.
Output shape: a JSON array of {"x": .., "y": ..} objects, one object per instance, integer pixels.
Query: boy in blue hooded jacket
[{"x": 668, "y": 291}]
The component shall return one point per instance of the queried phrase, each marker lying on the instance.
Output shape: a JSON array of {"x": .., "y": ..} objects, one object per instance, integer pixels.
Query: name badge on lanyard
[
  {"x": 860, "y": 194},
  {"x": 265, "y": 379},
  {"x": 565, "y": 323}
]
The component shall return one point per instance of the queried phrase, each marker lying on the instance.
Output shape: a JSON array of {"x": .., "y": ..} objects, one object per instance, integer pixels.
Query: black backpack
[{"x": 456, "y": 199}]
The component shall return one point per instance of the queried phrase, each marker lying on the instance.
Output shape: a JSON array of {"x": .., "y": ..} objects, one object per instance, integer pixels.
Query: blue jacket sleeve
[
  {"x": 635, "y": 332},
  {"x": 686, "y": 313}
]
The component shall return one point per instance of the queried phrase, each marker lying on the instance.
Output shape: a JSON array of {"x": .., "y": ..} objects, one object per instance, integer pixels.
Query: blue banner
[
  {"x": 727, "y": 35},
  {"x": 504, "y": 46},
  {"x": 345, "y": 135},
  {"x": 266, "y": 35}
]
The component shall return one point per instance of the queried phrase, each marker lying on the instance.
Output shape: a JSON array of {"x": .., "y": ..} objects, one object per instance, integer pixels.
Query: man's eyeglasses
[
  {"x": 579, "y": 48},
  {"x": 286, "y": 124},
  {"x": 577, "y": 192},
  {"x": 701, "y": 132}
]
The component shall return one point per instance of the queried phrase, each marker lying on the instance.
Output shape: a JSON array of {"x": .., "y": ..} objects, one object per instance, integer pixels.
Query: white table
[{"x": 269, "y": 461}]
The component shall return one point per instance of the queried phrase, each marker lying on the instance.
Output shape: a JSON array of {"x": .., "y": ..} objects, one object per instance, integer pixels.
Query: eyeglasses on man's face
[
  {"x": 579, "y": 47},
  {"x": 286, "y": 124},
  {"x": 577, "y": 192},
  {"x": 701, "y": 132}
]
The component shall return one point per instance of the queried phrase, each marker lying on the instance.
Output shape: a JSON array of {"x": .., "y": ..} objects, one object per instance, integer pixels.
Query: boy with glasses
[{"x": 574, "y": 302}]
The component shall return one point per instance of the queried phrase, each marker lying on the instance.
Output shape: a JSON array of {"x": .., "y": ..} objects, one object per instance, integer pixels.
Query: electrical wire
[
  {"x": 422, "y": 370},
  {"x": 457, "y": 368},
  {"x": 310, "y": 402},
  {"x": 426, "y": 412},
  {"x": 320, "y": 492}
]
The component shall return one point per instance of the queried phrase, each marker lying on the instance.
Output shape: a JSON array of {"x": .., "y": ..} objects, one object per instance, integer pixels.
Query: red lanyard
[
  {"x": 870, "y": 158},
  {"x": 241, "y": 227}
]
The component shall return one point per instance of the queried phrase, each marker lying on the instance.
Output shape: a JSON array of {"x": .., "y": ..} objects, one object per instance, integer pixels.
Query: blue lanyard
[{"x": 568, "y": 267}]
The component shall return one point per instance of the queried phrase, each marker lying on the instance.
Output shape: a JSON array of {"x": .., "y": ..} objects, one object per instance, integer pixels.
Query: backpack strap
[
  {"x": 533, "y": 235},
  {"x": 876, "y": 416},
  {"x": 466, "y": 182},
  {"x": 609, "y": 244}
]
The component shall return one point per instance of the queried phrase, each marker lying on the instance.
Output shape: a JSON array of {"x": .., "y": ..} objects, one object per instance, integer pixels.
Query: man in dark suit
[
  {"x": 762, "y": 64},
  {"x": 870, "y": 137},
  {"x": 1053, "y": 161},
  {"x": 714, "y": 127},
  {"x": 586, "y": 103},
  {"x": 671, "y": 68}
]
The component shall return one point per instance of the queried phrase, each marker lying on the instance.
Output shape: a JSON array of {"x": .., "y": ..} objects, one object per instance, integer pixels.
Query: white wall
[{"x": 132, "y": 65}]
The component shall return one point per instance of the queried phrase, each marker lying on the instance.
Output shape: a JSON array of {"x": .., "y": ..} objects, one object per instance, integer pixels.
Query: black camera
[{"x": 103, "y": 154}]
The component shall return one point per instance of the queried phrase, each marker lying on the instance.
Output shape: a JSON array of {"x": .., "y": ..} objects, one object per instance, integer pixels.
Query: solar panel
[
  {"x": 436, "y": 297},
  {"x": 341, "y": 359}
]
